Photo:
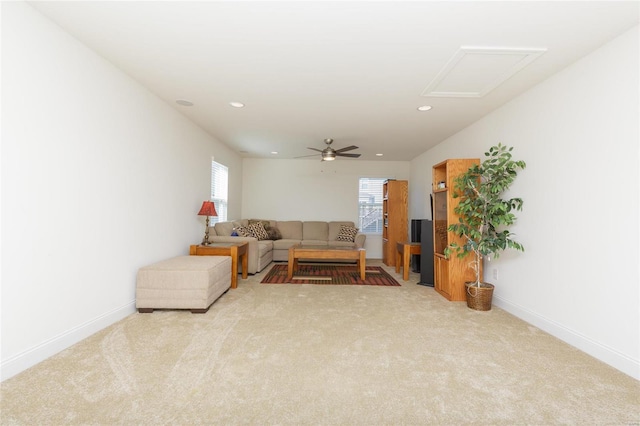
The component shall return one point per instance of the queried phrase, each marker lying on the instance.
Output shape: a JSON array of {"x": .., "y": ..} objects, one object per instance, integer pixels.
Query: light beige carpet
[{"x": 322, "y": 355}]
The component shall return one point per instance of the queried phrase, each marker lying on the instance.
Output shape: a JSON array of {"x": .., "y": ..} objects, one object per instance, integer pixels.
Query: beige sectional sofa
[{"x": 285, "y": 234}]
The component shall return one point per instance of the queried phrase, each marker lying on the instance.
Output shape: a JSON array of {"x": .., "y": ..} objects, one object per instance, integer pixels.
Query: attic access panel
[{"x": 473, "y": 72}]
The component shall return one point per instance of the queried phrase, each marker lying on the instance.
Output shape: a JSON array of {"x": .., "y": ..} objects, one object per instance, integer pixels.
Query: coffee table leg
[
  {"x": 362, "y": 263},
  {"x": 290, "y": 265}
]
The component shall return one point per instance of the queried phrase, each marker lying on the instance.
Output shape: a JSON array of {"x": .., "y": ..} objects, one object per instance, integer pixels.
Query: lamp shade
[{"x": 208, "y": 209}]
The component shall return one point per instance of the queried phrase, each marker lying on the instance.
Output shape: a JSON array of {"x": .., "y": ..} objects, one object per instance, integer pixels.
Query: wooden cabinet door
[{"x": 442, "y": 283}]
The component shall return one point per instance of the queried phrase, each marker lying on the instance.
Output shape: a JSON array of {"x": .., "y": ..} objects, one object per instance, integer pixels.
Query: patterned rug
[{"x": 329, "y": 274}]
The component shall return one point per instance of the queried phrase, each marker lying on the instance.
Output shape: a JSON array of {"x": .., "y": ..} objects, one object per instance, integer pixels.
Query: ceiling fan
[{"x": 330, "y": 154}]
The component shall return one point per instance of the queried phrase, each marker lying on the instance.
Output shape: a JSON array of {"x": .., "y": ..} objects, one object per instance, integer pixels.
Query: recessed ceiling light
[
  {"x": 379, "y": 155},
  {"x": 184, "y": 102},
  {"x": 274, "y": 152},
  {"x": 236, "y": 104},
  {"x": 424, "y": 108}
]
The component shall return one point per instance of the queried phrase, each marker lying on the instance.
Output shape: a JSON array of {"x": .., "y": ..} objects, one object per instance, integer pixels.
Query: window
[
  {"x": 370, "y": 205},
  {"x": 219, "y": 190}
]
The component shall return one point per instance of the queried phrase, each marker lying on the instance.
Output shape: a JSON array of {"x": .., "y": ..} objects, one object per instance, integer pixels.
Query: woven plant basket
[{"x": 479, "y": 298}]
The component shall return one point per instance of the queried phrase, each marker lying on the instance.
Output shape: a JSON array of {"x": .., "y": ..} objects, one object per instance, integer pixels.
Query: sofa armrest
[{"x": 360, "y": 239}]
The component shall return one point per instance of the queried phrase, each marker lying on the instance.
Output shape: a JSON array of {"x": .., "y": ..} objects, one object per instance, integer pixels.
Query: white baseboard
[
  {"x": 597, "y": 350},
  {"x": 20, "y": 362}
]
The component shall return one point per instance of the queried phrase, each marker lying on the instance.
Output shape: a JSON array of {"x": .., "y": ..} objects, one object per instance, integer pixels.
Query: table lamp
[{"x": 207, "y": 209}]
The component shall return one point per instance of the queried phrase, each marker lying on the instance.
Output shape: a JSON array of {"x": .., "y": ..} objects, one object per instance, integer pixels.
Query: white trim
[
  {"x": 20, "y": 362},
  {"x": 597, "y": 350}
]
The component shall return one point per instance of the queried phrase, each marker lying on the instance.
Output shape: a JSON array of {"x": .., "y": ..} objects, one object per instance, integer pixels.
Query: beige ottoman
[{"x": 183, "y": 282}]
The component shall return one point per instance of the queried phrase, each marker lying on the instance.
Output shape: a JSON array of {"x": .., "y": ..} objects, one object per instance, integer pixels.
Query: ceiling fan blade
[
  {"x": 315, "y": 149},
  {"x": 303, "y": 156},
  {"x": 340, "y": 154},
  {"x": 348, "y": 148}
]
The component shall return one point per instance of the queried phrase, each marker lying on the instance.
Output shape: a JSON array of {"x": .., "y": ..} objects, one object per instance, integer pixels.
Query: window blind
[
  {"x": 219, "y": 190},
  {"x": 370, "y": 205}
]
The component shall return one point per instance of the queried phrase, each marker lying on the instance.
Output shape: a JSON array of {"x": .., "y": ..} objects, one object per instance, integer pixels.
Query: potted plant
[{"x": 485, "y": 217}]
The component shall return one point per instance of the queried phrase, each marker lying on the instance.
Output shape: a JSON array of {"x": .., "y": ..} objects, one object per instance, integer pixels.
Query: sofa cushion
[
  {"x": 284, "y": 244},
  {"x": 315, "y": 242},
  {"x": 290, "y": 229},
  {"x": 224, "y": 229},
  {"x": 314, "y": 230}
]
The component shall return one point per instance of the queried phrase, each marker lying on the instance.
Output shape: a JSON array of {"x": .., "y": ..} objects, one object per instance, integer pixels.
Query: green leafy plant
[{"x": 484, "y": 216}]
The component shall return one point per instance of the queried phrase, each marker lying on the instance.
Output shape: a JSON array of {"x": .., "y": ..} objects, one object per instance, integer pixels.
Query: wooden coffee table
[
  {"x": 300, "y": 251},
  {"x": 226, "y": 249}
]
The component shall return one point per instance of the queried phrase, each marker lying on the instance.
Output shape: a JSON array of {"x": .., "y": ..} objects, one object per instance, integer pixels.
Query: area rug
[{"x": 329, "y": 274}]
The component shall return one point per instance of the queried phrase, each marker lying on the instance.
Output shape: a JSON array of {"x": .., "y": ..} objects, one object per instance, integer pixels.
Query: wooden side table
[
  {"x": 226, "y": 249},
  {"x": 404, "y": 250}
]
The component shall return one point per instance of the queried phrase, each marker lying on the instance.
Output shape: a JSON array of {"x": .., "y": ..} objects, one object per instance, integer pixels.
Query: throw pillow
[
  {"x": 347, "y": 233},
  {"x": 266, "y": 223},
  {"x": 257, "y": 231},
  {"x": 242, "y": 231},
  {"x": 274, "y": 233}
]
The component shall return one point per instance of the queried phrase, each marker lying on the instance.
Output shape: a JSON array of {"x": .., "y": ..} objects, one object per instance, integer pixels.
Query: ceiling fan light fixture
[{"x": 328, "y": 156}]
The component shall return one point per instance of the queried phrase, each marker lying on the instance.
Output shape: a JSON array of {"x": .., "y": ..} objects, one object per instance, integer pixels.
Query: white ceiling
[{"x": 351, "y": 71}]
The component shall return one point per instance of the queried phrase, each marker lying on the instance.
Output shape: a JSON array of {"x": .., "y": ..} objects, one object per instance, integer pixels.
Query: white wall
[
  {"x": 312, "y": 190},
  {"x": 578, "y": 131},
  {"x": 99, "y": 177}
]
